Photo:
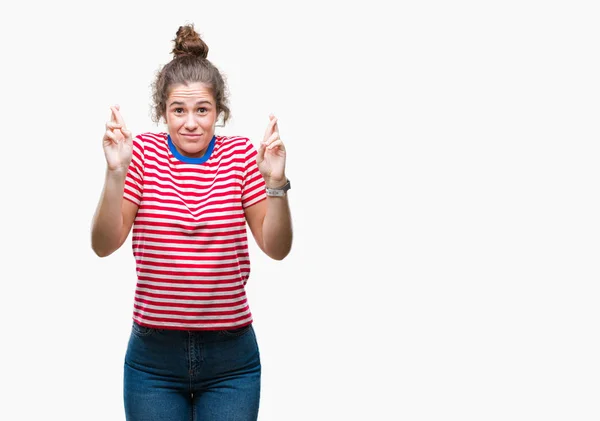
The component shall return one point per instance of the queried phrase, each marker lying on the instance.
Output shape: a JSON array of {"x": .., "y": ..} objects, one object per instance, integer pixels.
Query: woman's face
[{"x": 191, "y": 115}]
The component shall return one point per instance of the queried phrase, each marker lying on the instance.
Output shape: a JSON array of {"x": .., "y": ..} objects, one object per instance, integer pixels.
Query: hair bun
[{"x": 188, "y": 42}]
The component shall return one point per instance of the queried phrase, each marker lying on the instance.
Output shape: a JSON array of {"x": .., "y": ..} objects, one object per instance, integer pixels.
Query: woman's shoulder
[
  {"x": 231, "y": 139},
  {"x": 239, "y": 143},
  {"x": 152, "y": 137},
  {"x": 150, "y": 140}
]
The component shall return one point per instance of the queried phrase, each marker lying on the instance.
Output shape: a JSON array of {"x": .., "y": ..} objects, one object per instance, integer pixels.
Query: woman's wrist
[
  {"x": 116, "y": 173},
  {"x": 275, "y": 183}
]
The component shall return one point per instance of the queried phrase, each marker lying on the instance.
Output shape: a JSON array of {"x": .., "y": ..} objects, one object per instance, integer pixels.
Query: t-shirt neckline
[{"x": 188, "y": 160}]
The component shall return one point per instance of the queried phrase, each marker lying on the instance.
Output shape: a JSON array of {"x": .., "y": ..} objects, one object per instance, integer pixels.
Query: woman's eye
[
  {"x": 202, "y": 110},
  {"x": 178, "y": 110}
]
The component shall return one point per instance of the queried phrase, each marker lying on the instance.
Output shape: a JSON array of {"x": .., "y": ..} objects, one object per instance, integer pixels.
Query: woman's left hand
[{"x": 271, "y": 156}]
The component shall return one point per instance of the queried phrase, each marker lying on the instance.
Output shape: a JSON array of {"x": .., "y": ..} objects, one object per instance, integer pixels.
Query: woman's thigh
[
  {"x": 227, "y": 387},
  {"x": 156, "y": 385}
]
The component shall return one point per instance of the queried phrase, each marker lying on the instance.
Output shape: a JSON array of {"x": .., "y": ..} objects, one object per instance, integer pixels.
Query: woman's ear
[{"x": 220, "y": 120}]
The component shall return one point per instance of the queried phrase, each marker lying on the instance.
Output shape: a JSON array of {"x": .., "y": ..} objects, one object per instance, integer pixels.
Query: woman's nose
[{"x": 190, "y": 122}]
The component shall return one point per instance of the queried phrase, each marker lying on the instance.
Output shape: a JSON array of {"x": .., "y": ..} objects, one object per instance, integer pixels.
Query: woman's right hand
[{"x": 117, "y": 142}]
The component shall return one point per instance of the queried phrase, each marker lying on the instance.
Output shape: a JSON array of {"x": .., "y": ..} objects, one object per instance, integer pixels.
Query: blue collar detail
[{"x": 187, "y": 159}]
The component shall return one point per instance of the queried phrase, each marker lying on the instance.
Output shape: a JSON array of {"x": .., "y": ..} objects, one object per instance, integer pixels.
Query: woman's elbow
[
  {"x": 101, "y": 252},
  {"x": 279, "y": 253},
  {"x": 102, "y": 248}
]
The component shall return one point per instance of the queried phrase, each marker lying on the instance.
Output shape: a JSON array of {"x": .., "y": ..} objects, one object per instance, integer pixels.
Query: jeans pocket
[
  {"x": 234, "y": 333},
  {"x": 141, "y": 331}
]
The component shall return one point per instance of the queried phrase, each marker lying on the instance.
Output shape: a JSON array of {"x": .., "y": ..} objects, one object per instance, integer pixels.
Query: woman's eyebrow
[{"x": 182, "y": 103}]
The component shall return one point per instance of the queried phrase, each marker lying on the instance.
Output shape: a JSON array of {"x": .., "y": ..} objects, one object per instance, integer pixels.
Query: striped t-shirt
[{"x": 189, "y": 235}]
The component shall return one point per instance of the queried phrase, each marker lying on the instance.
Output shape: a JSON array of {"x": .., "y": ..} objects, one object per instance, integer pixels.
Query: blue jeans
[{"x": 191, "y": 375}]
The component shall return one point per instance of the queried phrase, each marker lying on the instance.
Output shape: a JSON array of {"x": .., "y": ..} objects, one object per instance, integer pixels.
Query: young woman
[{"x": 188, "y": 195}]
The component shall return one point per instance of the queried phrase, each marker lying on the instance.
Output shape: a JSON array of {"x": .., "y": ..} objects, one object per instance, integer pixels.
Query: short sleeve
[
  {"x": 253, "y": 184},
  {"x": 134, "y": 181}
]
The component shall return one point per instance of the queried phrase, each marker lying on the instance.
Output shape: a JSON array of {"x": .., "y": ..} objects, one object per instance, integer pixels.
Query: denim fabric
[{"x": 192, "y": 375}]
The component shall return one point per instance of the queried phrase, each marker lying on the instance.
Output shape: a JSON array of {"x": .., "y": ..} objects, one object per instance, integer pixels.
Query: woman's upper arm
[
  {"x": 129, "y": 211},
  {"x": 255, "y": 215}
]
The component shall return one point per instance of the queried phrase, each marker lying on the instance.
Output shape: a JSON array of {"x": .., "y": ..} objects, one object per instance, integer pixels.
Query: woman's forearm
[
  {"x": 107, "y": 224},
  {"x": 277, "y": 228}
]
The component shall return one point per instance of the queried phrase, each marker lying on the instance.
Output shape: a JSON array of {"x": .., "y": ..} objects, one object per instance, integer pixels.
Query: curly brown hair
[{"x": 189, "y": 65}]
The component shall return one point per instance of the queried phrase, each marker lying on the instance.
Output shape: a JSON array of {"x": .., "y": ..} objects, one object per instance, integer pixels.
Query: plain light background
[{"x": 443, "y": 158}]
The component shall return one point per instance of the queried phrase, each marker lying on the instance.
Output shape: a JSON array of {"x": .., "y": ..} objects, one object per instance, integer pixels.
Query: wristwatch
[{"x": 279, "y": 192}]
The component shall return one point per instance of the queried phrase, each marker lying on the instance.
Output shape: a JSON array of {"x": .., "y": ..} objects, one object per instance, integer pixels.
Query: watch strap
[{"x": 280, "y": 191}]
